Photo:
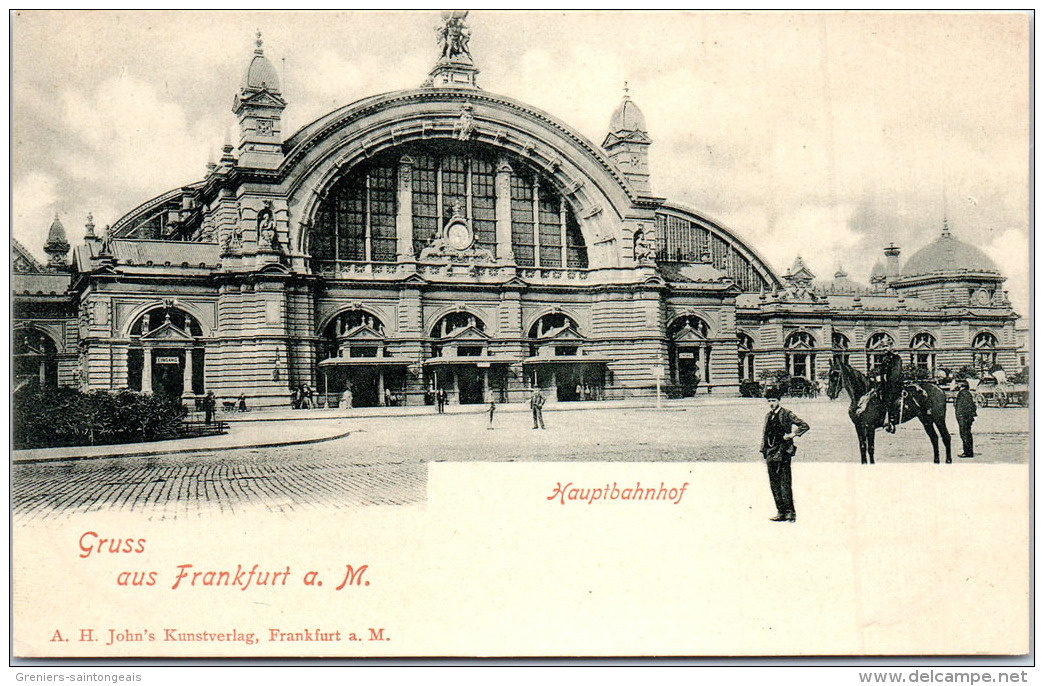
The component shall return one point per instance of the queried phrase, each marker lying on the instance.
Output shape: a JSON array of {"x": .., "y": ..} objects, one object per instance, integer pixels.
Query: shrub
[{"x": 52, "y": 417}]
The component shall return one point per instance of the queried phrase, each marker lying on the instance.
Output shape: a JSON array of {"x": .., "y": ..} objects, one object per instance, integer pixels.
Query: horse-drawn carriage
[{"x": 1001, "y": 394}]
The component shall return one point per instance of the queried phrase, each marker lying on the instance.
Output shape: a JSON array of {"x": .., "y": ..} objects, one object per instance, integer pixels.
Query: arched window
[
  {"x": 355, "y": 333},
  {"x": 877, "y": 347},
  {"x": 801, "y": 358},
  {"x": 356, "y": 222},
  {"x": 984, "y": 351},
  {"x": 551, "y": 324},
  {"x": 459, "y": 333},
  {"x": 745, "y": 351},
  {"x": 839, "y": 345},
  {"x": 923, "y": 352},
  {"x": 162, "y": 315},
  {"x": 688, "y": 322},
  {"x": 34, "y": 357},
  {"x": 554, "y": 334}
]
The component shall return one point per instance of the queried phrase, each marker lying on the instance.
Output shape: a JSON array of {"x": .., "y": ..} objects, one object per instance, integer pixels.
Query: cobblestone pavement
[{"x": 384, "y": 460}]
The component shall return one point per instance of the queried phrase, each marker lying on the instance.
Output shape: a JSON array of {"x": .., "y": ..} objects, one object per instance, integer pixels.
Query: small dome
[
  {"x": 627, "y": 117},
  {"x": 947, "y": 254},
  {"x": 261, "y": 74},
  {"x": 56, "y": 234}
]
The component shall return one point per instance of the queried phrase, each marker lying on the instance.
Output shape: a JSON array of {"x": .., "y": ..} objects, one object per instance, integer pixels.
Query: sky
[{"x": 827, "y": 135}]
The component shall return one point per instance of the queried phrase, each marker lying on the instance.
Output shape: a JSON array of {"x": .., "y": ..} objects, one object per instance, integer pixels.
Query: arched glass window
[
  {"x": 459, "y": 333},
  {"x": 688, "y": 322},
  {"x": 745, "y": 351},
  {"x": 160, "y": 315},
  {"x": 923, "y": 352},
  {"x": 356, "y": 222},
  {"x": 556, "y": 327},
  {"x": 801, "y": 358},
  {"x": 984, "y": 353},
  {"x": 355, "y": 333}
]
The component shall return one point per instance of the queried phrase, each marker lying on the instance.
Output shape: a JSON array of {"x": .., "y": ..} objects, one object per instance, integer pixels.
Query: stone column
[
  {"x": 456, "y": 385},
  {"x": 503, "y": 191},
  {"x": 380, "y": 387},
  {"x": 186, "y": 379},
  {"x": 146, "y": 371},
  {"x": 404, "y": 218},
  {"x": 485, "y": 385}
]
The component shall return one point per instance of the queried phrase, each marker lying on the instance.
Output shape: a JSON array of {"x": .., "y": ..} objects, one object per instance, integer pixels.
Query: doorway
[{"x": 168, "y": 377}]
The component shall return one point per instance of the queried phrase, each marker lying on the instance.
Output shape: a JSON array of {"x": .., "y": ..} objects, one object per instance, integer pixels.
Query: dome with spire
[
  {"x": 947, "y": 254},
  {"x": 627, "y": 116},
  {"x": 261, "y": 75},
  {"x": 56, "y": 234}
]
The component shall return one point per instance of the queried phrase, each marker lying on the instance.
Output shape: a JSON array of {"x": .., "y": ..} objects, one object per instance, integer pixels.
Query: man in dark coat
[
  {"x": 536, "y": 403},
  {"x": 209, "y": 404},
  {"x": 964, "y": 408},
  {"x": 777, "y": 447}
]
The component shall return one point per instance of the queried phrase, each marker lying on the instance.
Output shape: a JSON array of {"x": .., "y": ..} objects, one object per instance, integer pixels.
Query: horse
[{"x": 920, "y": 399}]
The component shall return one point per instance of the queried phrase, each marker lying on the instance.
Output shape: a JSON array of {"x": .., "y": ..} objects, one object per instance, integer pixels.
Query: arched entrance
[
  {"x": 356, "y": 371},
  {"x": 558, "y": 363},
  {"x": 689, "y": 353},
  {"x": 167, "y": 356},
  {"x": 460, "y": 365},
  {"x": 35, "y": 360}
]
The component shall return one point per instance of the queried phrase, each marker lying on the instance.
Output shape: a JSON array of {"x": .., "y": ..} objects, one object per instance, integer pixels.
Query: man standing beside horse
[
  {"x": 777, "y": 447},
  {"x": 964, "y": 408}
]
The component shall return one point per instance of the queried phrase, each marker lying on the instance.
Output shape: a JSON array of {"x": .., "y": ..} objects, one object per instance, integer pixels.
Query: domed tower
[
  {"x": 56, "y": 247},
  {"x": 259, "y": 107},
  {"x": 628, "y": 143},
  {"x": 949, "y": 271}
]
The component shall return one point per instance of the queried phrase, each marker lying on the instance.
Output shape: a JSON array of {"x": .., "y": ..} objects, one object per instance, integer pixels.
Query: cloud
[{"x": 33, "y": 198}]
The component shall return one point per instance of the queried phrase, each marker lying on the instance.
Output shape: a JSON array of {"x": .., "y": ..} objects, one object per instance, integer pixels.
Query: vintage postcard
[{"x": 520, "y": 334}]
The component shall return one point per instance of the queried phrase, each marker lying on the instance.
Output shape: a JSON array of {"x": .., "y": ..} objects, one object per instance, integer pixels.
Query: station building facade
[{"x": 449, "y": 238}]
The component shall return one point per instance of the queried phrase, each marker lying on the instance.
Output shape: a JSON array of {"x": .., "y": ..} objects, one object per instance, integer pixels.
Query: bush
[
  {"x": 912, "y": 372},
  {"x": 52, "y": 417},
  {"x": 750, "y": 389}
]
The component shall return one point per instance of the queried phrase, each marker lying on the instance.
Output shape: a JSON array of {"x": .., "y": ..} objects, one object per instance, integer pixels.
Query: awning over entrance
[
  {"x": 478, "y": 360},
  {"x": 364, "y": 362},
  {"x": 569, "y": 359}
]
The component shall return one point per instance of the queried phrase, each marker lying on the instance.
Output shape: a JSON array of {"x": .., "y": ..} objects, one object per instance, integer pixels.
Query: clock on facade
[{"x": 458, "y": 235}]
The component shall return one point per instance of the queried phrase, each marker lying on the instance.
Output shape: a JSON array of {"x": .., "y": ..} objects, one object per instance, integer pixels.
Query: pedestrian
[
  {"x": 492, "y": 408},
  {"x": 306, "y": 394},
  {"x": 440, "y": 396},
  {"x": 964, "y": 408},
  {"x": 346, "y": 399},
  {"x": 777, "y": 448},
  {"x": 209, "y": 404},
  {"x": 536, "y": 402},
  {"x": 242, "y": 402}
]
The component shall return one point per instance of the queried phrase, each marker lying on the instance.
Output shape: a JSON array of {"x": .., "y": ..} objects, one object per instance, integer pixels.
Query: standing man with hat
[
  {"x": 964, "y": 408},
  {"x": 777, "y": 447}
]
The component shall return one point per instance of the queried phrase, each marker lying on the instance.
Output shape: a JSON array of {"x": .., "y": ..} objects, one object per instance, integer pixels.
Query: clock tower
[
  {"x": 259, "y": 107},
  {"x": 628, "y": 143}
]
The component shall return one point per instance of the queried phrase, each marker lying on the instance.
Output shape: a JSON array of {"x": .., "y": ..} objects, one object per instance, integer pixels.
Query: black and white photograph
[{"x": 521, "y": 334}]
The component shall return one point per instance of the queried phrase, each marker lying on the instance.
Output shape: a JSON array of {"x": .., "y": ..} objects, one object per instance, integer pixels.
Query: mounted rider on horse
[{"x": 888, "y": 386}]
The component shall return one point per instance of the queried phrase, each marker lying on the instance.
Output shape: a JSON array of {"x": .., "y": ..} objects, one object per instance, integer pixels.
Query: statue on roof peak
[{"x": 453, "y": 36}]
